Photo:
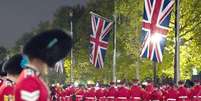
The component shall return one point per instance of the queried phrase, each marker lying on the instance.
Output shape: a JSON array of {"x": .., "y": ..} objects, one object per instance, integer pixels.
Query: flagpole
[
  {"x": 155, "y": 72},
  {"x": 177, "y": 58},
  {"x": 21, "y": 49},
  {"x": 72, "y": 62},
  {"x": 114, "y": 49},
  {"x": 137, "y": 71}
]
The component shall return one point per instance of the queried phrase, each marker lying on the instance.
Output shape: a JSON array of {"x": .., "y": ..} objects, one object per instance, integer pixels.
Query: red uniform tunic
[
  {"x": 100, "y": 94},
  {"x": 79, "y": 94},
  {"x": 136, "y": 93},
  {"x": 7, "y": 91},
  {"x": 123, "y": 94},
  {"x": 156, "y": 95},
  {"x": 59, "y": 94},
  {"x": 196, "y": 93},
  {"x": 172, "y": 94},
  {"x": 164, "y": 90},
  {"x": 148, "y": 91},
  {"x": 111, "y": 94},
  {"x": 183, "y": 94},
  {"x": 90, "y": 95},
  {"x": 72, "y": 92},
  {"x": 67, "y": 94},
  {"x": 30, "y": 87}
]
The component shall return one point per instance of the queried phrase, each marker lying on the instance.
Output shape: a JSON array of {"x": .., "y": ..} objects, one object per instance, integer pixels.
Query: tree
[
  {"x": 3, "y": 53},
  {"x": 129, "y": 24},
  {"x": 130, "y": 12}
]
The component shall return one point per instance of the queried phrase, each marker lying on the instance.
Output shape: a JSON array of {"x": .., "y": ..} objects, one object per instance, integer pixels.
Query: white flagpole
[
  {"x": 176, "y": 59},
  {"x": 155, "y": 72},
  {"x": 114, "y": 49},
  {"x": 72, "y": 62}
]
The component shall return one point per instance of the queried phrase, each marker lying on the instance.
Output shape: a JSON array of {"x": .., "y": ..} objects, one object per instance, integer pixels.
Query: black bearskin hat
[
  {"x": 49, "y": 46},
  {"x": 13, "y": 65}
]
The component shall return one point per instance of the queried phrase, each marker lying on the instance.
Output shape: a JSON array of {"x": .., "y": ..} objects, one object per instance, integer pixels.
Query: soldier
[
  {"x": 59, "y": 92},
  {"x": 123, "y": 92},
  {"x": 67, "y": 93},
  {"x": 136, "y": 91},
  {"x": 148, "y": 90},
  {"x": 53, "y": 94},
  {"x": 183, "y": 93},
  {"x": 80, "y": 93},
  {"x": 164, "y": 89},
  {"x": 100, "y": 93},
  {"x": 72, "y": 91},
  {"x": 172, "y": 93},
  {"x": 112, "y": 92},
  {"x": 42, "y": 51},
  {"x": 156, "y": 95},
  {"x": 13, "y": 68},
  {"x": 196, "y": 91},
  {"x": 90, "y": 94}
]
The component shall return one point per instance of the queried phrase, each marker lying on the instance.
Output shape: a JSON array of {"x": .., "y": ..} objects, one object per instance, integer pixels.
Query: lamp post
[
  {"x": 155, "y": 72},
  {"x": 155, "y": 38},
  {"x": 21, "y": 49},
  {"x": 114, "y": 49},
  {"x": 137, "y": 70},
  {"x": 176, "y": 59},
  {"x": 72, "y": 59}
]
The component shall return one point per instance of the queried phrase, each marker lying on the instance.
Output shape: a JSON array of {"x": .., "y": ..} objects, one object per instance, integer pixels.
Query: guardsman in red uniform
[
  {"x": 148, "y": 90},
  {"x": 136, "y": 91},
  {"x": 53, "y": 94},
  {"x": 123, "y": 92},
  {"x": 164, "y": 89},
  {"x": 80, "y": 93},
  {"x": 72, "y": 91},
  {"x": 13, "y": 68},
  {"x": 59, "y": 92},
  {"x": 67, "y": 93},
  {"x": 196, "y": 91},
  {"x": 7, "y": 91},
  {"x": 63, "y": 95},
  {"x": 156, "y": 95},
  {"x": 101, "y": 93},
  {"x": 42, "y": 51},
  {"x": 172, "y": 93},
  {"x": 90, "y": 95},
  {"x": 183, "y": 93},
  {"x": 112, "y": 92}
]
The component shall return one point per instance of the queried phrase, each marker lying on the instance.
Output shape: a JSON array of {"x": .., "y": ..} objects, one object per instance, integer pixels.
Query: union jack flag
[
  {"x": 155, "y": 27},
  {"x": 101, "y": 28},
  {"x": 59, "y": 66}
]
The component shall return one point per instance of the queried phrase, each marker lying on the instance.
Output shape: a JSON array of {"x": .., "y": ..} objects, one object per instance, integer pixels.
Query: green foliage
[
  {"x": 129, "y": 23},
  {"x": 3, "y": 53},
  {"x": 130, "y": 12}
]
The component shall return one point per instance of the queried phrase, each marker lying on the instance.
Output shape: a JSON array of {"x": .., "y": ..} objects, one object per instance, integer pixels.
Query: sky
[{"x": 20, "y": 16}]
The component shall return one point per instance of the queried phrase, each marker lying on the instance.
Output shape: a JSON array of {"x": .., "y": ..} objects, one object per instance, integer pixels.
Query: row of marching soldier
[
  {"x": 121, "y": 92},
  {"x": 21, "y": 75}
]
